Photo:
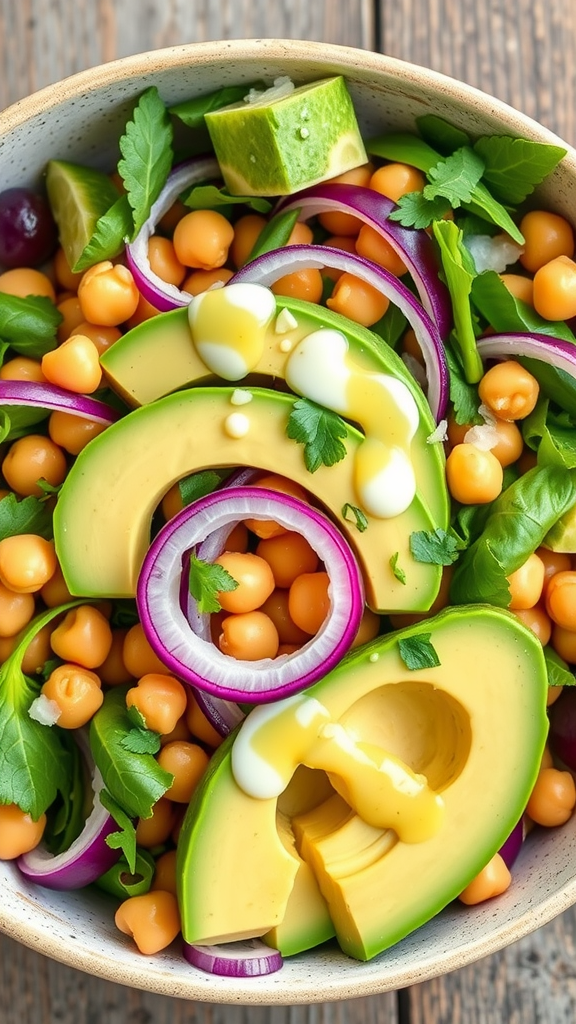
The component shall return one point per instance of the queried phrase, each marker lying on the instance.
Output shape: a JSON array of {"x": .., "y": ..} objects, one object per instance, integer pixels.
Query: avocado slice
[
  {"x": 158, "y": 357},
  {"x": 475, "y": 726},
  {"x": 104, "y": 511},
  {"x": 562, "y": 536}
]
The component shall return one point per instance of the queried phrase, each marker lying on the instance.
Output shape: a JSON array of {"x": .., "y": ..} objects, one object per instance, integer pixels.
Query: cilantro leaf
[
  {"x": 435, "y": 547},
  {"x": 513, "y": 167},
  {"x": 396, "y": 569},
  {"x": 146, "y": 148},
  {"x": 209, "y": 197},
  {"x": 206, "y": 580},
  {"x": 455, "y": 177},
  {"x": 459, "y": 273},
  {"x": 319, "y": 430},
  {"x": 192, "y": 112},
  {"x": 111, "y": 231},
  {"x": 415, "y": 210},
  {"x": 418, "y": 652},
  {"x": 30, "y": 324},
  {"x": 30, "y": 515},
  {"x": 353, "y": 514},
  {"x": 125, "y": 838},
  {"x": 464, "y": 396},
  {"x": 141, "y": 741},
  {"x": 559, "y": 673}
]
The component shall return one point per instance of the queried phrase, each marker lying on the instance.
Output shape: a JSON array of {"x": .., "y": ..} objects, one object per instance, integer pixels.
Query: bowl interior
[{"x": 81, "y": 119}]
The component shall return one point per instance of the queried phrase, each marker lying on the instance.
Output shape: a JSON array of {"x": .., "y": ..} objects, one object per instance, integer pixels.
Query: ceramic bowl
[{"x": 81, "y": 119}]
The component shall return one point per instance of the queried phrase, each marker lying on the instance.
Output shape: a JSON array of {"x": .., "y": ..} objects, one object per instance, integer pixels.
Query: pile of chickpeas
[{"x": 282, "y": 596}]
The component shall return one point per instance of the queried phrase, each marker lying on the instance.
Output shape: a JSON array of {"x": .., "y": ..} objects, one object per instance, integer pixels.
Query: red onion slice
[
  {"x": 89, "y": 856},
  {"x": 199, "y": 662},
  {"x": 162, "y": 295},
  {"x": 49, "y": 396},
  {"x": 267, "y": 269},
  {"x": 249, "y": 958},
  {"x": 554, "y": 351},
  {"x": 512, "y": 846},
  {"x": 414, "y": 246}
]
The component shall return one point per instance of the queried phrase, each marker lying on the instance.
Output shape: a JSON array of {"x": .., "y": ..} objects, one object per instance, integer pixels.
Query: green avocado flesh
[
  {"x": 103, "y": 516},
  {"x": 475, "y": 726},
  {"x": 158, "y": 357}
]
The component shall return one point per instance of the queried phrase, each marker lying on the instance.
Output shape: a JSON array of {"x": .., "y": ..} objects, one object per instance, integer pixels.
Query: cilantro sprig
[
  {"x": 206, "y": 580},
  {"x": 320, "y": 431},
  {"x": 417, "y": 652}
]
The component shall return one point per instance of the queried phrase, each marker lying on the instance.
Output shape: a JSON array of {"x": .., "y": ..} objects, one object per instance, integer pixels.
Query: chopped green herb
[
  {"x": 396, "y": 569},
  {"x": 435, "y": 547},
  {"x": 418, "y": 652},
  {"x": 206, "y": 580},
  {"x": 414, "y": 210},
  {"x": 209, "y": 197},
  {"x": 30, "y": 515},
  {"x": 319, "y": 430},
  {"x": 353, "y": 514},
  {"x": 559, "y": 673},
  {"x": 455, "y": 178},
  {"x": 141, "y": 741},
  {"x": 125, "y": 838},
  {"x": 29, "y": 325},
  {"x": 146, "y": 148}
]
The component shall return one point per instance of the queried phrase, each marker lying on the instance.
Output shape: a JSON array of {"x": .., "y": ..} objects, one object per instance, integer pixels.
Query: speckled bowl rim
[{"x": 302, "y": 980}]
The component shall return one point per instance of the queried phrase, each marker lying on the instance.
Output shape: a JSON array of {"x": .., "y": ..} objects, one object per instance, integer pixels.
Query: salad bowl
[{"x": 80, "y": 120}]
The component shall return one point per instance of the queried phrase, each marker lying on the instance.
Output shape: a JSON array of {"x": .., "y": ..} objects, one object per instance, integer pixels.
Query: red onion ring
[
  {"x": 37, "y": 394},
  {"x": 554, "y": 351},
  {"x": 513, "y": 844},
  {"x": 202, "y": 664},
  {"x": 89, "y": 856},
  {"x": 250, "y": 958},
  {"x": 267, "y": 269},
  {"x": 162, "y": 295},
  {"x": 415, "y": 247}
]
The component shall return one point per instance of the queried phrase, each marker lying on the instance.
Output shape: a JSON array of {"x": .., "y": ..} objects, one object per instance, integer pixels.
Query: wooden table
[{"x": 522, "y": 51}]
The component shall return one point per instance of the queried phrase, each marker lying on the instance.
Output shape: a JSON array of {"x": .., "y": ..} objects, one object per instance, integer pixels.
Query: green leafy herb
[
  {"x": 513, "y": 167},
  {"x": 29, "y": 325},
  {"x": 414, "y": 210},
  {"x": 441, "y": 134},
  {"x": 197, "y": 485},
  {"x": 396, "y": 569},
  {"x": 33, "y": 761},
  {"x": 135, "y": 781},
  {"x": 459, "y": 272},
  {"x": 146, "y": 148},
  {"x": 192, "y": 112},
  {"x": 206, "y": 580},
  {"x": 391, "y": 326},
  {"x": 124, "y": 613},
  {"x": 66, "y": 816},
  {"x": 418, "y": 652},
  {"x": 141, "y": 741},
  {"x": 209, "y": 197},
  {"x": 29, "y": 515},
  {"x": 17, "y": 422},
  {"x": 125, "y": 838},
  {"x": 559, "y": 673},
  {"x": 455, "y": 178},
  {"x": 112, "y": 230},
  {"x": 552, "y": 435},
  {"x": 505, "y": 313},
  {"x": 485, "y": 206},
  {"x": 353, "y": 514},
  {"x": 275, "y": 234},
  {"x": 435, "y": 547},
  {"x": 405, "y": 149},
  {"x": 320, "y": 431},
  {"x": 464, "y": 396}
]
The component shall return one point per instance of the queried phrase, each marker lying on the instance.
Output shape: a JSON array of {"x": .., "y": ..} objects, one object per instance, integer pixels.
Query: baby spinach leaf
[
  {"x": 112, "y": 230},
  {"x": 29, "y": 325},
  {"x": 552, "y": 435},
  {"x": 209, "y": 197},
  {"x": 505, "y": 313},
  {"x": 389, "y": 327},
  {"x": 485, "y": 206},
  {"x": 146, "y": 148},
  {"x": 16, "y": 420},
  {"x": 513, "y": 167},
  {"x": 206, "y": 580},
  {"x": 319, "y": 430},
  {"x": 125, "y": 838},
  {"x": 405, "y": 149},
  {"x": 192, "y": 112},
  {"x": 29, "y": 515},
  {"x": 67, "y": 815},
  {"x": 441, "y": 134},
  {"x": 418, "y": 652},
  {"x": 134, "y": 781},
  {"x": 459, "y": 273}
]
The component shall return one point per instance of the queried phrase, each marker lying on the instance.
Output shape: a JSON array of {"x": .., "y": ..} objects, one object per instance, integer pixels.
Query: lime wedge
[
  {"x": 284, "y": 139},
  {"x": 78, "y": 197}
]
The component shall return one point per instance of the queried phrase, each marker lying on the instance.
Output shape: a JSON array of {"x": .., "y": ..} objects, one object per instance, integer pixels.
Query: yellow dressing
[{"x": 229, "y": 327}]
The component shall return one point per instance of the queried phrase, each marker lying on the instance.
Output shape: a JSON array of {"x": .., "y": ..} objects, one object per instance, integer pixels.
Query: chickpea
[
  {"x": 102, "y": 336},
  {"x": 238, "y": 539},
  {"x": 74, "y": 365},
  {"x": 288, "y": 555},
  {"x": 564, "y": 643},
  {"x": 538, "y": 621},
  {"x": 553, "y": 562},
  {"x": 160, "y": 699},
  {"x": 546, "y": 236},
  {"x": 144, "y": 311},
  {"x": 108, "y": 294},
  {"x": 16, "y": 610},
  {"x": 520, "y": 287},
  {"x": 202, "y": 239},
  {"x": 526, "y": 583},
  {"x": 555, "y": 289},
  {"x": 253, "y": 576},
  {"x": 199, "y": 725},
  {"x": 309, "y": 601},
  {"x": 510, "y": 444},
  {"x": 553, "y": 798},
  {"x": 265, "y": 528},
  {"x": 72, "y": 432},
  {"x": 22, "y": 368},
  {"x": 302, "y": 284},
  {"x": 179, "y": 732},
  {"x": 164, "y": 262},
  {"x": 22, "y": 281},
  {"x": 346, "y": 224},
  {"x": 249, "y": 636},
  {"x": 19, "y": 833},
  {"x": 165, "y": 873},
  {"x": 347, "y": 243},
  {"x": 172, "y": 502},
  {"x": 38, "y": 651},
  {"x": 84, "y": 637},
  {"x": 551, "y": 698},
  {"x": 201, "y": 280},
  {"x": 77, "y": 692},
  {"x": 32, "y": 458},
  {"x": 301, "y": 234},
  {"x": 55, "y": 591},
  {"x": 491, "y": 881},
  {"x": 246, "y": 231},
  {"x": 276, "y": 607},
  {"x": 373, "y": 246},
  {"x": 510, "y": 391},
  {"x": 474, "y": 477},
  {"x": 156, "y": 829},
  {"x": 561, "y": 599},
  {"x": 27, "y": 562},
  {"x": 368, "y": 629},
  {"x": 139, "y": 658},
  {"x": 152, "y": 920},
  {"x": 395, "y": 180},
  {"x": 113, "y": 671},
  {"x": 64, "y": 275},
  {"x": 187, "y": 762},
  {"x": 71, "y": 311},
  {"x": 357, "y": 300}
]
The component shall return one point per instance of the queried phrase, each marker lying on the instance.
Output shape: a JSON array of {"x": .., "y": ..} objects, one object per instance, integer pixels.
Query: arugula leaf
[
  {"x": 208, "y": 197},
  {"x": 125, "y": 838},
  {"x": 559, "y": 673},
  {"x": 505, "y": 313},
  {"x": 141, "y": 741},
  {"x": 29, "y": 515},
  {"x": 275, "y": 234},
  {"x": 33, "y": 761},
  {"x": 459, "y": 273},
  {"x": 464, "y": 396},
  {"x": 353, "y": 514},
  {"x": 414, "y": 210},
  {"x": 66, "y": 816},
  {"x": 552, "y": 436},
  {"x": 319, "y": 430},
  {"x": 111, "y": 231},
  {"x": 418, "y": 652},
  {"x": 455, "y": 178},
  {"x": 405, "y": 149},
  {"x": 197, "y": 485},
  {"x": 441, "y": 134},
  {"x": 485, "y": 206},
  {"x": 192, "y": 112},
  {"x": 435, "y": 547},
  {"x": 513, "y": 167},
  {"x": 397, "y": 569},
  {"x": 146, "y": 148},
  {"x": 206, "y": 580},
  {"x": 134, "y": 781},
  {"x": 29, "y": 325}
]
